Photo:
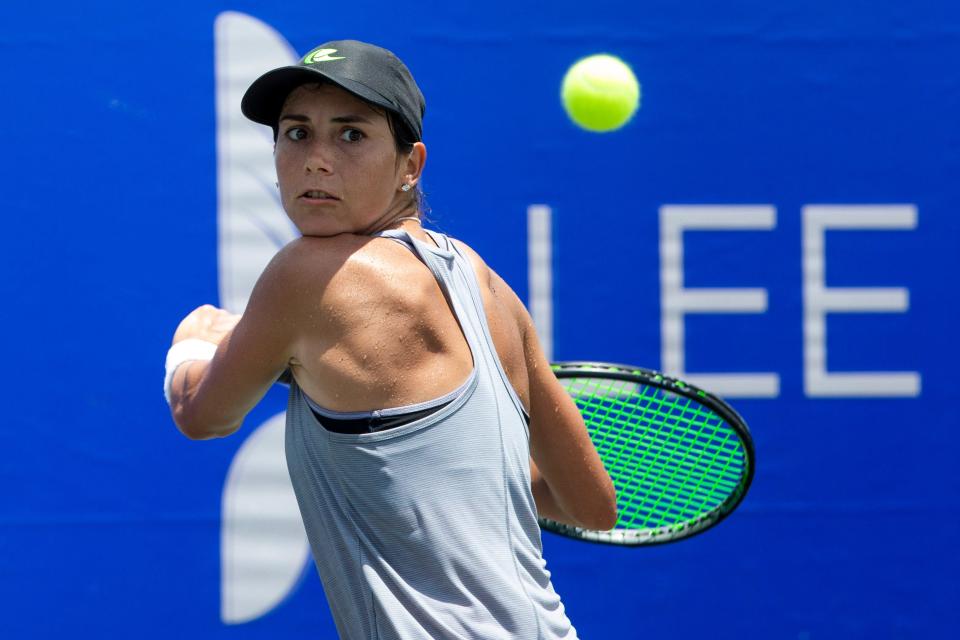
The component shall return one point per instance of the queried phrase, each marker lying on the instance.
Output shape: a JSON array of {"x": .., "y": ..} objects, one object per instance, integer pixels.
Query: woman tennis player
[{"x": 425, "y": 430}]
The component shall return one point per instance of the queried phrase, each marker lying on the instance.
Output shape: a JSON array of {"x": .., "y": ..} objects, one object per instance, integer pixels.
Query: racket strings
[
  {"x": 708, "y": 444},
  {"x": 671, "y": 459}
]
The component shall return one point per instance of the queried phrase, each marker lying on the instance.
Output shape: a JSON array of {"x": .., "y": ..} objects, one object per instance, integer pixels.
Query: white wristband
[{"x": 185, "y": 351}]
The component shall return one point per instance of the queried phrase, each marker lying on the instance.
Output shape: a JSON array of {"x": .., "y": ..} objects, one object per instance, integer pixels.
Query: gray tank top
[{"x": 429, "y": 530}]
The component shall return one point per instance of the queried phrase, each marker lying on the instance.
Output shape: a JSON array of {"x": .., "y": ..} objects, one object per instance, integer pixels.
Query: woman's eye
[
  {"x": 296, "y": 133},
  {"x": 351, "y": 135}
]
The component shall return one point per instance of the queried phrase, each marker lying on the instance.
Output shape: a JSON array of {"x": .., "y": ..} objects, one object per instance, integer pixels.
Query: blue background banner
[{"x": 804, "y": 151}]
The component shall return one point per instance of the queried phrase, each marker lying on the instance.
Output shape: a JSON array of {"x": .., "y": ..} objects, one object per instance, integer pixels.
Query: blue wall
[{"x": 110, "y": 521}]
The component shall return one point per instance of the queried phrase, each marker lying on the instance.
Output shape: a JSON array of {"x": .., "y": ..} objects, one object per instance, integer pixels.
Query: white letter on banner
[
  {"x": 676, "y": 301},
  {"x": 818, "y": 300},
  {"x": 540, "y": 273},
  {"x": 263, "y": 548}
]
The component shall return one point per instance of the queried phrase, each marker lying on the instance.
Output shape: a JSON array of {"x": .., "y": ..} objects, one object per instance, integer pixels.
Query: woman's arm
[
  {"x": 569, "y": 481},
  {"x": 210, "y": 399}
]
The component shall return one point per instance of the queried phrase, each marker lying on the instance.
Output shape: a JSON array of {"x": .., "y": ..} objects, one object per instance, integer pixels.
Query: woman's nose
[{"x": 318, "y": 160}]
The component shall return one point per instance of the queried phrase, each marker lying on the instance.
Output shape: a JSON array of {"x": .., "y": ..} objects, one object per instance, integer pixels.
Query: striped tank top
[{"x": 429, "y": 529}]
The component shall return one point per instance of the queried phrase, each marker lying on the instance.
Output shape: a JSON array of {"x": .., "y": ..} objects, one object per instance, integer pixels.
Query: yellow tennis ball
[{"x": 600, "y": 93}]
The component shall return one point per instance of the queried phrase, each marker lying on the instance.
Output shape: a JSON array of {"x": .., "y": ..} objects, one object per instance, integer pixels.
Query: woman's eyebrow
[
  {"x": 347, "y": 119},
  {"x": 350, "y": 119}
]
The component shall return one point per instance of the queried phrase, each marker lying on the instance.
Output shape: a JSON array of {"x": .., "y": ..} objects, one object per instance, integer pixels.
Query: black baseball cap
[{"x": 367, "y": 71}]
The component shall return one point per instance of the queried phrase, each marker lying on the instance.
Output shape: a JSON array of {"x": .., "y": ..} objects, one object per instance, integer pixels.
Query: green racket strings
[{"x": 672, "y": 460}]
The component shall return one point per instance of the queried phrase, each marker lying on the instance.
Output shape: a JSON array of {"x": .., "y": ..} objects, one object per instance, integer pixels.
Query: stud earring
[{"x": 405, "y": 188}]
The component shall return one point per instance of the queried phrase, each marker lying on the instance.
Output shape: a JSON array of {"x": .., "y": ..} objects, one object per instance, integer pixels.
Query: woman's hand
[{"x": 206, "y": 323}]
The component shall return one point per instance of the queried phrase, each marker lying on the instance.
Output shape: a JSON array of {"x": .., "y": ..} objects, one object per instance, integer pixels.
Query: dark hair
[{"x": 403, "y": 140}]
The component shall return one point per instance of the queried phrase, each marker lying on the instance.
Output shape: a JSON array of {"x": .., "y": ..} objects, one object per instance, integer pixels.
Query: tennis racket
[{"x": 681, "y": 459}]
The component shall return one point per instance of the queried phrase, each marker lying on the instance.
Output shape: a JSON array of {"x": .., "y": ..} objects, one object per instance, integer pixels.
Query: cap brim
[{"x": 264, "y": 99}]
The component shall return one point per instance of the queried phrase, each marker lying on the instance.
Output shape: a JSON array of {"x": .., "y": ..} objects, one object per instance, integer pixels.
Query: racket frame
[{"x": 672, "y": 532}]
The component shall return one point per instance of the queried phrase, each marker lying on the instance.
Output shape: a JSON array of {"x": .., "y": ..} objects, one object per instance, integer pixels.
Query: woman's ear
[{"x": 415, "y": 162}]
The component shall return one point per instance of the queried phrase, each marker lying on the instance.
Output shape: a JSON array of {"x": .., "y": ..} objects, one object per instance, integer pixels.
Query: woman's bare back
[{"x": 379, "y": 333}]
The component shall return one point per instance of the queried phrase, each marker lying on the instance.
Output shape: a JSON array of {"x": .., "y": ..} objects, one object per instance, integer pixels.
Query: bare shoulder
[
  {"x": 491, "y": 282},
  {"x": 306, "y": 266},
  {"x": 479, "y": 265},
  {"x": 307, "y": 257}
]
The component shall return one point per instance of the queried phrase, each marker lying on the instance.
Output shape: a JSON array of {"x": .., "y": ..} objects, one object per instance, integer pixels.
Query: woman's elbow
[
  {"x": 197, "y": 428},
  {"x": 600, "y": 512},
  {"x": 603, "y": 516},
  {"x": 195, "y": 433},
  {"x": 610, "y": 517}
]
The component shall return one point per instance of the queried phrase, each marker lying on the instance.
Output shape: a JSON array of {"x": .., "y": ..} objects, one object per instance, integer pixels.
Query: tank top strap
[
  {"x": 403, "y": 237},
  {"x": 442, "y": 241},
  {"x": 399, "y": 236},
  {"x": 448, "y": 268}
]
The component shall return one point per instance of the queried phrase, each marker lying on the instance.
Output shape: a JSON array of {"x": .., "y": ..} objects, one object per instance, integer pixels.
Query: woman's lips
[{"x": 317, "y": 196}]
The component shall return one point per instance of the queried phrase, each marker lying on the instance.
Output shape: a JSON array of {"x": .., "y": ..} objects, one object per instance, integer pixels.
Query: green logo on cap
[{"x": 321, "y": 55}]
